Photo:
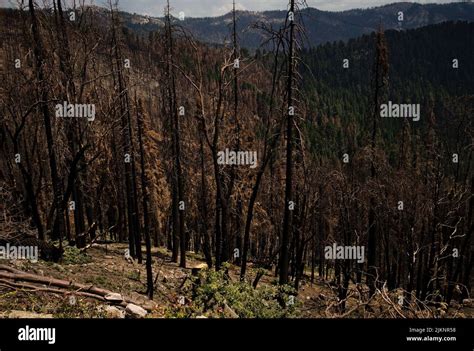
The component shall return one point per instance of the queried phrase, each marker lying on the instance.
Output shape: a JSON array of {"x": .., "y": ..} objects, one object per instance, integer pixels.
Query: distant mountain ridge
[{"x": 321, "y": 26}]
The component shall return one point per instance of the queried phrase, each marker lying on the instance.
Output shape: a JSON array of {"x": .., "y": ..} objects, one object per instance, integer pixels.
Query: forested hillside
[
  {"x": 419, "y": 70},
  {"x": 172, "y": 178},
  {"x": 320, "y": 26}
]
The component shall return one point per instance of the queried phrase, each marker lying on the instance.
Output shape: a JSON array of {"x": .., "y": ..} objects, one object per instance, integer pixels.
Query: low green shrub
[
  {"x": 72, "y": 255},
  {"x": 214, "y": 294}
]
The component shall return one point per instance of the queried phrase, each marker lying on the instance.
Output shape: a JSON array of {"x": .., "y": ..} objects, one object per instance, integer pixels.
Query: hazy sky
[{"x": 204, "y": 8}]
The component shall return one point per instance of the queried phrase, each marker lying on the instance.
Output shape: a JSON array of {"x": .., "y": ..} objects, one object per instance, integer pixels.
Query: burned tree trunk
[
  {"x": 178, "y": 204},
  {"x": 56, "y": 225},
  {"x": 287, "y": 219},
  {"x": 380, "y": 71},
  {"x": 145, "y": 203}
]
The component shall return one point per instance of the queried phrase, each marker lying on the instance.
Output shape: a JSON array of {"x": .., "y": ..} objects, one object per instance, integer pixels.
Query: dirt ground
[{"x": 105, "y": 266}]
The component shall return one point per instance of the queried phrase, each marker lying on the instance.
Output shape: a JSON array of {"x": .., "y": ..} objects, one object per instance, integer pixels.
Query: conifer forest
[{"x": 159, "y": 159}]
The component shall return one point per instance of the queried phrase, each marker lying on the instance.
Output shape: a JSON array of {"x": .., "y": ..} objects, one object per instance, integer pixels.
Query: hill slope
[
  {"x": 420, "y": 71},
  {"x": 321, "y": 26}
]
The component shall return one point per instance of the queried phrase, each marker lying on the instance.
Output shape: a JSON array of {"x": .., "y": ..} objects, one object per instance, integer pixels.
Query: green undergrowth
[
  {"x": 213, "y": 294},
  {"x": 72, "y": 255}
]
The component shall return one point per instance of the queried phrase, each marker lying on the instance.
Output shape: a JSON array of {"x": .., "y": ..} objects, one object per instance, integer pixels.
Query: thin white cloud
[{"x": 211, "y": 8}]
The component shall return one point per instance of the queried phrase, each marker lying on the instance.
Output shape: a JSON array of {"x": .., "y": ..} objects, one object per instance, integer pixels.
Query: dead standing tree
[
  {"x": 134, "y": 238},
  {"x": 271, "y": 138},
  {"x": 177, "y": 181},
  {"x": 379, "y": 81},
  {"x": 56, "y": 225},
  {"x": 74, "y": 133},
  {"x": 287, "y": 217},
  {"x": 145, "y": 200}
]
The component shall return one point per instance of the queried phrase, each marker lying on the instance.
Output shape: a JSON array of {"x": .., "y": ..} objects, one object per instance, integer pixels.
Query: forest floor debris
[{"x": 177, "y": 294}]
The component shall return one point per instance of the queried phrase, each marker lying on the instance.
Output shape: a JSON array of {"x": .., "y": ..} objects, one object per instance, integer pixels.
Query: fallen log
[
  {"x": 9, "y": 269},
  {"x": 33, "y": 287},
  {"x": 19, "y": 277}
]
